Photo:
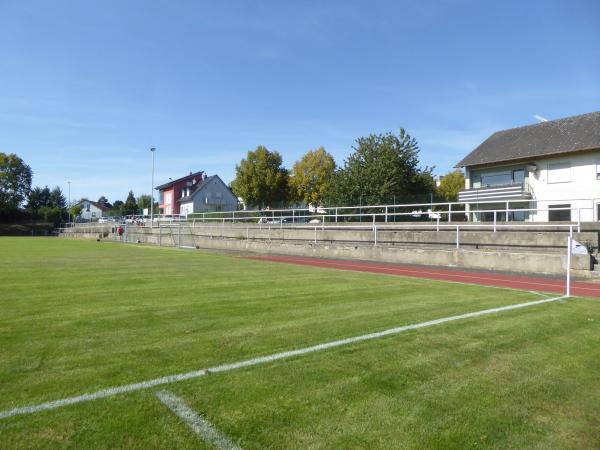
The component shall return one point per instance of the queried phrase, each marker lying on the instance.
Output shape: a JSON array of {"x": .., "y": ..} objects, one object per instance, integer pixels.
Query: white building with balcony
[{"x": 551, "y": 168}]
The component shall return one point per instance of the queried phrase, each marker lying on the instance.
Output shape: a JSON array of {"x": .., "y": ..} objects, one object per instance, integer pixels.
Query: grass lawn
[{"x": 77, "y": 317}]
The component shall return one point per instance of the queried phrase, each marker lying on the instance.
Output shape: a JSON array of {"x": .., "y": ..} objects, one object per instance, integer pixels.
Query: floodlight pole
[{"x": 152, "y": 191}]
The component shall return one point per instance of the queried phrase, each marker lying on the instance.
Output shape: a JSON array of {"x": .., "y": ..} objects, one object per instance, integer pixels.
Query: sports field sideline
[{"x": 115, "y": 340}]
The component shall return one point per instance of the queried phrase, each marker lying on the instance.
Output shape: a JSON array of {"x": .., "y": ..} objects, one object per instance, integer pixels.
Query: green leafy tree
[
  {"x": 38, "y": 198},
  {"x": 15, "y": 182},
  {"x": 130, "y": 206},
  {"x": 261, "y": 180},
  {"x": 450, "y": 185},
  {"x": 50, "y": 214},
  {"x": 75, "y": 211},
  {"x": 383, "y": 167},
  {"x": 312, "y": 177},
  {"x": 57, "y": 199},
  {"x": 144, "y": 201}
]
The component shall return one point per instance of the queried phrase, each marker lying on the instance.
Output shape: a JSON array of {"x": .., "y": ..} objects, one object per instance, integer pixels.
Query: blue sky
[{"x": 87, "y": 87}]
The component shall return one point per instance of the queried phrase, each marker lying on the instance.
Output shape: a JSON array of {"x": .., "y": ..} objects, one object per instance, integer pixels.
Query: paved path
[{"x": 524, "y": 282}]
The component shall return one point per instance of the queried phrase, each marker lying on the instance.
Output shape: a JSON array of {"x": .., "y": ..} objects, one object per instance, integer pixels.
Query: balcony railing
[{"x": 510, "y": 192}]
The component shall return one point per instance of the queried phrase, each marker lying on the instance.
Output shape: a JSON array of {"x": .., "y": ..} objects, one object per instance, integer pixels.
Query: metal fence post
[
  {"x": 495, "y": 220},
  {"x": 247, "y": 233},
  {"x": 457, "y": 237},
  {"x": 449, "y": 212},
  {"x": 336, "y": 215},
  {"x": 375, "y": 236},
  {"x": 315, "y": 234},
  {"x": 159, "y": 235},
  {"x": 437, "y": 224},
  {"x": 386, "y": 214},
  {"x": 579, "y": 220},
  {"x": 179, "y": 236},
  {"x": 506, "y": 212}
]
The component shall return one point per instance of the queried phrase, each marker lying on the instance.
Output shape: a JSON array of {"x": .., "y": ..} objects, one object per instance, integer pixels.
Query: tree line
[
  {"x": 382, "y": 169},
  {"x": 19, "y": 201}
]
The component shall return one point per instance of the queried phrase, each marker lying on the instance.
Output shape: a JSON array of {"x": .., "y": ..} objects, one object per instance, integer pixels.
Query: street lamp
[
  {"x": 69, "y": 183},
  {"x": 152, "y": 150}
]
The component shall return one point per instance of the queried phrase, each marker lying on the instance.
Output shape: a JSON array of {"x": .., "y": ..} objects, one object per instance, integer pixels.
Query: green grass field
[{"x": 77, "y": 317}]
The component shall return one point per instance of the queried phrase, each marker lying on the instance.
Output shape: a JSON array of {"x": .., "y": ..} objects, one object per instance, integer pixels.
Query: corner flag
[{"x": 577, "y": 248}]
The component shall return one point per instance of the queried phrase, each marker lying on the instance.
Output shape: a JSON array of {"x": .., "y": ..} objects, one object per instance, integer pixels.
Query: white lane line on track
[
  {"x": 255, "y": 361},
  {"x": 197, "y": 423}
]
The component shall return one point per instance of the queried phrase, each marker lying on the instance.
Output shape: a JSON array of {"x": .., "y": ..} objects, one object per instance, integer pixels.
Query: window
[
  {"x": 559, "y": 173},
  {"x": 518, "y": 176},
  {"x": 496, "y": 179},
  {"x": 561, "y": 215}
]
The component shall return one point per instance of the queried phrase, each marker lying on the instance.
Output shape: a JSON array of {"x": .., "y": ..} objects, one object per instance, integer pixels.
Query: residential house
[
  {"x": 552, "y": 167},
  {"x": 172, "y": 191},
  {"x": 91, "y": 210},
  {"x": 209, "y": 195},
  {"x": 195, "y": 192}
]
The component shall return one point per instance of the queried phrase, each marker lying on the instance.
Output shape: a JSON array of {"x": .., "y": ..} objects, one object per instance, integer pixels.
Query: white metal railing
[
  {"x": 432, "y": 212},
  {"x": 132, "y": 232}
]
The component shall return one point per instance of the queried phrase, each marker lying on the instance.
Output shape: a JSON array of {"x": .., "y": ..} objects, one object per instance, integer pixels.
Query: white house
[
  {"x": 91, "y": 210},
  {"x": 208, "y": 195},
  {"x": 553, "y": 167}
]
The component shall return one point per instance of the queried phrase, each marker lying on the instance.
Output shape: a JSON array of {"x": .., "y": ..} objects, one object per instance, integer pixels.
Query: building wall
[
  {"x": 214, "y": 196},
  {"x": 167, "y": 201},
  {"x": 575, "y": 184},
  {"x": 89, "y": 211},
  {"x": 582, "y": 190}
]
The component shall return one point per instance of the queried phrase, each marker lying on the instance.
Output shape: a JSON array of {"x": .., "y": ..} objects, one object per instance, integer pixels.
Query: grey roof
[
  {"x": 199, "y": 186},
  {"x": 100, "y": 206},
  {"x": 172, "y": 182},
  {"x": 571, "y": 134}
]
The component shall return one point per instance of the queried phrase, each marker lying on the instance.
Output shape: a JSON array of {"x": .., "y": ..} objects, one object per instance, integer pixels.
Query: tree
[
  {"x": 57, "y": 199},
  {"x": 312, "y": 176},
  {"x": 144, "y": 201},
  {"x": 15, "y": 182},
  {"x": 46, "y": 204},
  {"x": 75, "y": 211},
  {"x": 117, "y": 208},
  {"x": 383, "y": 167},
  {"x": 38, "y": 198},
  {"x": 261, "y": 180},
  {"x": 450, "y": 184},
  {"x": 104, "y": 201},
  {"x": 130, "y": 206}
]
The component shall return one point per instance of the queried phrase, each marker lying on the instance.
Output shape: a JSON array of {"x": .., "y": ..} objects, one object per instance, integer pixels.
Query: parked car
[{"x": 273, "y": 220}]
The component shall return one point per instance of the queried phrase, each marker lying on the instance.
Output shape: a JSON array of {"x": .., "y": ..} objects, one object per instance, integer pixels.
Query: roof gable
[
  {"x": 173, "y": 182},
  {"x": 200, "y": 186},
  {"x": 571, "y": 134}
]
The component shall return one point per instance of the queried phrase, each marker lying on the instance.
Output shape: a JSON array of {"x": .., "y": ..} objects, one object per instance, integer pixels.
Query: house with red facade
[
  {"x": 172, "y": 191},
  {"x": 194, "y": 193}
]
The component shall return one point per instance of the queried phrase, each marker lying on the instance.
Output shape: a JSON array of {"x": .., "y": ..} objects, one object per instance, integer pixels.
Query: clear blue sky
[{"x": 87, "y": 87}]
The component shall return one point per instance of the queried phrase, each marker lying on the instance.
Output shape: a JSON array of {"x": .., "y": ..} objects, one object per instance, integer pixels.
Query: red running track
[{"x": 482, "y": 278}]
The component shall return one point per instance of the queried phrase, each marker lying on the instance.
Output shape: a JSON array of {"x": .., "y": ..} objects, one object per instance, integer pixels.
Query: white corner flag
[
  {"x": 575, "y": 248},
  {"x": 578, "y": 248}
]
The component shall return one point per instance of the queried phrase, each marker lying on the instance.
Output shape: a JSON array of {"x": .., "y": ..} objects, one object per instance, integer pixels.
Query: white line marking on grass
[
  {"x": 255, "y": 361},
  {"x": 197, "y": 423}
]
